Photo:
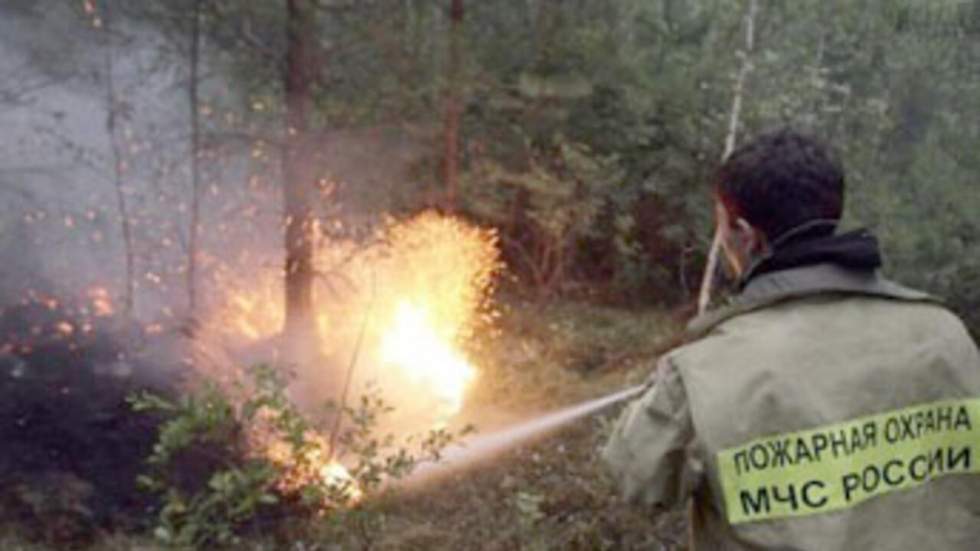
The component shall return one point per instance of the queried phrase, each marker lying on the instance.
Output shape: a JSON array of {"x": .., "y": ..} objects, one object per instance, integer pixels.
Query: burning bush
[{"x": 265, "y": 459}]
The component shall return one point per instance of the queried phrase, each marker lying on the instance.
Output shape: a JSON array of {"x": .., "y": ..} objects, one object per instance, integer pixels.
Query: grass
[{"x": 549, "y": 494}]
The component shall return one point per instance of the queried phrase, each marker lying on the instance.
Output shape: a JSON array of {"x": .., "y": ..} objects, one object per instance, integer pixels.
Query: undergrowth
[
  {"x": 549, "y": 494},
  {"x": 224, "y": 470}
]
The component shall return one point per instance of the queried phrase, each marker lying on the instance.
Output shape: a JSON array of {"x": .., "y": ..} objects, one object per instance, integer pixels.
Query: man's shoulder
[
  {"x": 820, "y": 357},
  {"x": 820, "y": 280},
  {"x": 781, "y": 330}
]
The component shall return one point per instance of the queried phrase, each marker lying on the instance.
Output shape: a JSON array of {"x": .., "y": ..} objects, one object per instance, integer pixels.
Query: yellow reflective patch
[{"x": 838, "y": 466}]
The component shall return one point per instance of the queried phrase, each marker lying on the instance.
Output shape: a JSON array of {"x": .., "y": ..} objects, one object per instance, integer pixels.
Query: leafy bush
[
  {"x": 545, "y": 209},
  {"x": 221, "y": 465}
]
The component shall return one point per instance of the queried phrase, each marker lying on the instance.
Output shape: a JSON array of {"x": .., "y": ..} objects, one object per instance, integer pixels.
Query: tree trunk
[
  {"x": 453, "y": 106},
  {"x": 194, "y": 106},
  {"x": 118, "y": 162},
  {"x": 298, "y": 185}
]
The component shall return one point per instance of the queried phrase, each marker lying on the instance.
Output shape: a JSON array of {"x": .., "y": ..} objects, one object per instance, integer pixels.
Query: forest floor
[{"x": 546, "y": 494}]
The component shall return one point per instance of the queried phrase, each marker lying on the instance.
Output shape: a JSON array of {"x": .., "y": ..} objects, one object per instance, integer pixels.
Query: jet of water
[{"x": 481, "y": 447}]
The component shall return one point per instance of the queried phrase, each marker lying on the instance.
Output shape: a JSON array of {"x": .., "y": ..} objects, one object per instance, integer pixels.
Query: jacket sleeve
[{"x": 647, "y": 454}]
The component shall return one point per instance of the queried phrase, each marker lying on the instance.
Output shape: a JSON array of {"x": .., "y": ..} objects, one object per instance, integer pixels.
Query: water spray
[{"x": 479, "y": 448}]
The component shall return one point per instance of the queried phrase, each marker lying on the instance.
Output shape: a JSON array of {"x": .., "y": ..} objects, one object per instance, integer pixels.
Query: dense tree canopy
[{"x": 587, "y": 131}]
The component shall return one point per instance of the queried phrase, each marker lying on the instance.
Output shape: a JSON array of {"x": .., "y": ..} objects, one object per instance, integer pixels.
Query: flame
[
  {"x": 405, "y": 304},
  {"x": 425, "y": 357},
  {"x": 431, "y": 277},
  {"x": 315, "y": 465},
  {"x": 420, "y": 289},
  {"x": 337, "y": 476}
]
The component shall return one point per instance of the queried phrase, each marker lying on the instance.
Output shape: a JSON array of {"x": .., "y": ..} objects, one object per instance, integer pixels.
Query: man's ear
[
  {"x": 742, "y": 225},
  {"x": 743, "y": 232},
  {"x": 751, "y": 240}
]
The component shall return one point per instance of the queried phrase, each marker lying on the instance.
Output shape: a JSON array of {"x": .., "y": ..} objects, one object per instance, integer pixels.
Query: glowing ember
[
  {"x": 335, "y": 475},
  {"x": 314, "y": 467},
  {"x": 64, "y": 328},
  {"x": 101, "y": 303},
  {"x": 425, "y": 357}
]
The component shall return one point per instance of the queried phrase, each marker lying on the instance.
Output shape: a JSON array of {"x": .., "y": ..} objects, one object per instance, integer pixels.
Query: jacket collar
[
  {"x": 845, "y": 264},
  {"x": 856, "y": 250}
]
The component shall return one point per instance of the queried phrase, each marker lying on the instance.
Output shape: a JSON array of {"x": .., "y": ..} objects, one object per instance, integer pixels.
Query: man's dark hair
[{"x": 782, "y": 180}]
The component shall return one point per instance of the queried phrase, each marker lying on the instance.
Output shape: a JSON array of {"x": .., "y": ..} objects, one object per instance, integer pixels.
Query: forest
[{"x": 266, "y": 264}]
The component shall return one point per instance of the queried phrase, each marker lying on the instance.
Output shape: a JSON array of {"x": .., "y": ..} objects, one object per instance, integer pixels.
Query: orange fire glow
[
  {"x": 314, "y": 467},
  {"x": 256, "y": 312},
  {"x": 419, "y": 289},
  {"x": 405, "y": 305},
  {"x": 426, "y": 358},
  {"x": 250, "y": 318}
]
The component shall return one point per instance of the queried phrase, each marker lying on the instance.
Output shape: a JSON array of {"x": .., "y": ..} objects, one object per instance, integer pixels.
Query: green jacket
[{"x": 826, "y": 409}]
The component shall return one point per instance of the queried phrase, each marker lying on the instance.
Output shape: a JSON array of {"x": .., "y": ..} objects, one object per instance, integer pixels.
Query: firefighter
[{"x": 825, "y": 408}]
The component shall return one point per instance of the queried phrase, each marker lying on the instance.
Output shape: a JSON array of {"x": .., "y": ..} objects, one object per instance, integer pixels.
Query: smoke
[
  {"x": 68, "y": 359},
  {"x": 68, "y": 354},
  {"x": 54, "y": 150}
]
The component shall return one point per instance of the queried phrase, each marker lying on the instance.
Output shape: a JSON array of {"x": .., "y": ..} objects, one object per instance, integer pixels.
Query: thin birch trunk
[
  {"x": 708, "y": 279},
  {"x": 118, "y": 162},
  {"x": 195, "y": 119}
]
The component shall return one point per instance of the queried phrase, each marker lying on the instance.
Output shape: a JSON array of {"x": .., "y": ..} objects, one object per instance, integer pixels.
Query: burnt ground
[{"x": 71, "y": 446}]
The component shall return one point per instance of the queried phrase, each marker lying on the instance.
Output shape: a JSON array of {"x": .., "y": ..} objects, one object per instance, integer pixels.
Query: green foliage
[
  {"x": 222, "y": 465},
  {"x": 550, "y": 206},
  {"x": 230, "y": 491},
  {"x": 888, "y": 85},
  {"x": 641, "y": 87}
]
